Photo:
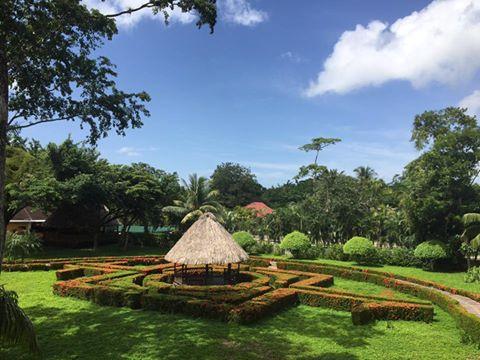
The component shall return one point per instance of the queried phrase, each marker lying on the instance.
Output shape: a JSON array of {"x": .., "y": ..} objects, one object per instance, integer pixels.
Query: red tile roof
[{"x": 260, "y": 208}]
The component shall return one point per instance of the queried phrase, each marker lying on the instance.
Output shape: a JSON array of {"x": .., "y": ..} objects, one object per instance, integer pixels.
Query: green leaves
[
  {"x": 198, "y": 198},
  {"x": 19, "y": 246},
  {"x": 318, "y": 144},
  {"x": 15, "y": 326},
  {"x": 55, "y": 74},
  {"x": 236, "y": 184}
]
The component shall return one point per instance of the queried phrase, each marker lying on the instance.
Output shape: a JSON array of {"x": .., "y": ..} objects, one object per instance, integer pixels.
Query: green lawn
[
  {"x": 453, "y": 279},
  {"x": 75, "y": 329}
]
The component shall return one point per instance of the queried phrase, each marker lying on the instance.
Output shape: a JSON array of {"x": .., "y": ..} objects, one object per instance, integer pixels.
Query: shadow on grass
[{"x": 112, "y": 333}]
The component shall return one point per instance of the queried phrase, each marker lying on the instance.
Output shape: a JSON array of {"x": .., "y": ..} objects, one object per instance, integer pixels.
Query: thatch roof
[{"x": 206, "y": 242}]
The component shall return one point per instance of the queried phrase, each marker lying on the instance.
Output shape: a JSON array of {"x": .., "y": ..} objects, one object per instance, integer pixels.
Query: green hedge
[
  {"x": 262, "y": 306},
  {"x": 468, "y": 323}
]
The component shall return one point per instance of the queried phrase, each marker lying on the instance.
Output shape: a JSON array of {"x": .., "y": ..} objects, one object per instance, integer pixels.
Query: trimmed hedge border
[
  {"x": 468, "y": 323},
  {"x": 114, "y": 281}
]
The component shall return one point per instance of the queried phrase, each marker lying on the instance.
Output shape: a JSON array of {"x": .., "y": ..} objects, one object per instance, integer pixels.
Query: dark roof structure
[{"x": 29, "y": 215}]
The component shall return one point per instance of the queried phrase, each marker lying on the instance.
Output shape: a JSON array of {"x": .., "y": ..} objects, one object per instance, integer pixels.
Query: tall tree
[
  {"x": 316, "y": 145},
  {"x": 236, "y": 184},
  {"x": 439, "y": 185},
  {"x": 365, "y": 173},
  {"x": 57, "y": 41},
  {"x": 142, "y": 193}
]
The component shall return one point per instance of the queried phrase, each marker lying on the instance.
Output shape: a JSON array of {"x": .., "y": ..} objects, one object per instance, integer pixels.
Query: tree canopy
[{"x": 236, "y": 184}]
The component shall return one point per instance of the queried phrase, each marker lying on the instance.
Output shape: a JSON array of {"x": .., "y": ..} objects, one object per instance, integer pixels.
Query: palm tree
[
  {"x": 197, "y": 199},
  {"x": 15, "y": 326},
  {"x": 365, "y": 173},
  {"x": 471, "y": 235}
]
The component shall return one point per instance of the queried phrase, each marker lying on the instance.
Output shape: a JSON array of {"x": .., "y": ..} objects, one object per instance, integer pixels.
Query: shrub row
[
  {"x": 370, "y": 311},
  {"x": 279, "y": 279},
  {"x": 264, "y": 305},
  {"x": 59, "y": 263},
  {"x": 468, "y": 323},
  {"x": 385, "y": 310}
]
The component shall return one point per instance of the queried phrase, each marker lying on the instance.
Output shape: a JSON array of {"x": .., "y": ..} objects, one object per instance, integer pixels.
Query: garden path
[{"x": 470, "y": 305}]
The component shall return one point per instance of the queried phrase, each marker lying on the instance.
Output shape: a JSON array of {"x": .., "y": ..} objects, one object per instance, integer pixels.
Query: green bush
[
  {"x": 245, "y": 240},
  {"x": 20, "y": 246},
  {"x": 335, "y": 252},
  {"x": 361, "y": 250},
  {"x": 398, "y": 256},
  {"x": 262, "y": 247},
  {"x": 430, "y": 252},
  {"x": 312, "y": 252},
  {"x": 277, "y": 250},
  {"x": 296, "y": 243},
  {"x": 473, "y": 275}
]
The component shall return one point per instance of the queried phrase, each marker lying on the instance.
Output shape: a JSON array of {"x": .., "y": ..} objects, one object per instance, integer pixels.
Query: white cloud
[
  {"x": 128, "y": 20},
  {"x": 472, "y": 103},
  {"x": 440, "y": 43},
  {"x": 293, "y": 57},
  {"x": 128, "y": 151},
  {"x": 241, "y": 12},
  {"x": 133, "y": 151}
]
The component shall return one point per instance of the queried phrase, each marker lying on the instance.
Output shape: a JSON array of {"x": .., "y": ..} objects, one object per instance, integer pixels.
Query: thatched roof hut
[{"x": 206, "y": 242}]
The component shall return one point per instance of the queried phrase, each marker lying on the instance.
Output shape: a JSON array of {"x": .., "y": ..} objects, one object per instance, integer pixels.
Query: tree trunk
[
  {"x": 3, "y": 140},
  {"x": 95, "y": 240},
  {"x": 126, "y": 233}
]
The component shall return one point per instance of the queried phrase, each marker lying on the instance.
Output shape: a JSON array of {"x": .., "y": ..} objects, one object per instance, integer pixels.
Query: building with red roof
[{"x": 260, "y": 208}]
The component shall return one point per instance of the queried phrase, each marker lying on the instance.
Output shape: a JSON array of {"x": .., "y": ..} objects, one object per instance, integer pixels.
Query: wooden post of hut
[{"x": 206, "y": 243}]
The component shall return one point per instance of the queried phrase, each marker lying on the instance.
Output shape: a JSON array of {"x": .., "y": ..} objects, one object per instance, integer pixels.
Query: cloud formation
[
  {"x": 235, "y": 11},
  {"x": 440, "y": 43},
  {"x": 472, "y": 103},
  {"x": 133, "y": 151},
  {"x": 241, "y": 12},
  {"x": 291, "y": 56}
]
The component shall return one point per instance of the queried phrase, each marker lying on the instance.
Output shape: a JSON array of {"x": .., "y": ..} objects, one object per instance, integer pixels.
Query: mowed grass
[
  {"x": 74, "y": 329},
  {"x": 453, "y": 279}
]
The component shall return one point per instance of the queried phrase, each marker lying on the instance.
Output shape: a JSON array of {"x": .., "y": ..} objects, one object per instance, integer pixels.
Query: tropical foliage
[
  {"x": 20, "y": 246},
  {"x": 15, "y": 326},
  {"x": 198, "y": 198}
]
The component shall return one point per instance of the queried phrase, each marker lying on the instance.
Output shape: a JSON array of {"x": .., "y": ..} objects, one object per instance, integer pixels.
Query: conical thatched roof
[{"x": 206, "y": 242}]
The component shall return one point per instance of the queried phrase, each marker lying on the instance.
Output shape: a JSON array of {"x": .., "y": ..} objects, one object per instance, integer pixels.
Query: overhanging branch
[
  {"x": 19, "y": 127},
  {"x": 147, "y": 5}
]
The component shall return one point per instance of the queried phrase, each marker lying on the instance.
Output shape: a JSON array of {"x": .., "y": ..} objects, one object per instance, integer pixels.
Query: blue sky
[{"x": 277, "y": 73}]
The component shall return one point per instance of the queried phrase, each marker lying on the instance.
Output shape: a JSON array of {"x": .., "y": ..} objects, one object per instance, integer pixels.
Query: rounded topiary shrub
[
  {"x": 430, "y": 252},
  {"x": 245, "y": 240},
  {"x": 296, "y": 243},
  {"x": 361, "y": 250}
]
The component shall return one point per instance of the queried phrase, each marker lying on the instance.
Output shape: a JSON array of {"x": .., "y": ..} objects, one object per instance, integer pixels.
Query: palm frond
[
  {"x": 191, "y": 216},
  {"x": 475, "y": 243},
  {"x": 471, "y": 219},
  {"x": 176, "y": 210},
  {"x": 15, "y": 326},
  {"x": 209, "y": 208}
]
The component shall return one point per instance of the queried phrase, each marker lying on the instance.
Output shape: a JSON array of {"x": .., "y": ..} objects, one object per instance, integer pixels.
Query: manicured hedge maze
[{"x": 146, "y": 283}]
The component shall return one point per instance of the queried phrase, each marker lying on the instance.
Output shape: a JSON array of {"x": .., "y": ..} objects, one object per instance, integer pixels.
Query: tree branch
[
  {"x": 18, "y": 127},
  {"x": 132, "y": 10}
]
